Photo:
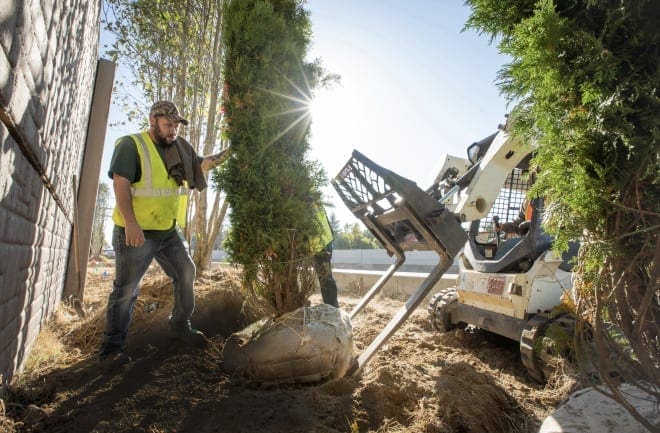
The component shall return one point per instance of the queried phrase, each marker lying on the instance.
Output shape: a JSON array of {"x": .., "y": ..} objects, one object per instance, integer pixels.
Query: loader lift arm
[{"x": 402, "y": 217}]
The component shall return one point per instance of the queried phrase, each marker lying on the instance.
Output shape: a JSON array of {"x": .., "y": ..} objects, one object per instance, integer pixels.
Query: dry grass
[
  {"x": 48, "y": 351},
  {"x": 7, "y": 425},
  {"x": 420, "y": 381}
]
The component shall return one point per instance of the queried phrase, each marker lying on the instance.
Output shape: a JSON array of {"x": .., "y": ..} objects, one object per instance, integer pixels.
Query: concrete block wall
[{"x": 48, "y": 57}]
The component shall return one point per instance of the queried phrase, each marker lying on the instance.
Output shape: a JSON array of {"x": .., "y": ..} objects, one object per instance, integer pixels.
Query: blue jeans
[
  {"x": 130, "y": 265},
  {"x": 323, "y": 268}
]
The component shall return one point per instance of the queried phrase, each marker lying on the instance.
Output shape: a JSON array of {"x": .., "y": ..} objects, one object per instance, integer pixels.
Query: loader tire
[
  {"x": 441, "y": 307},
  {"x": 544, "y": 342}
]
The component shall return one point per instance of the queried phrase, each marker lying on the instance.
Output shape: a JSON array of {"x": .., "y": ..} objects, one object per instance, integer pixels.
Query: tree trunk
[
  {"x": 215, "y": 221},
  {"x": 206, "y": 232}
]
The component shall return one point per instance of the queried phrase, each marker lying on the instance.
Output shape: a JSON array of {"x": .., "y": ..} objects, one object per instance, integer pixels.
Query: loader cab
[{"x": 509, "y": 238}]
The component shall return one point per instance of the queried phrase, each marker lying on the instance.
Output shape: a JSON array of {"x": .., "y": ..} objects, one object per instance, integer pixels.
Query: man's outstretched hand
[{"x": 211, "y": 161}]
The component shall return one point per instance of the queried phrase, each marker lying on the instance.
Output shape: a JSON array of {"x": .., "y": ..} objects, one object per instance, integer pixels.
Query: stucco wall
[{"x": 47, "y": 67}]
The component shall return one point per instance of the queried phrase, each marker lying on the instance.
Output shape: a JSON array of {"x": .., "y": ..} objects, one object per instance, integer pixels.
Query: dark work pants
[
  {"x": 323, "y": 269},
  {"x": 131, "y": 263}
]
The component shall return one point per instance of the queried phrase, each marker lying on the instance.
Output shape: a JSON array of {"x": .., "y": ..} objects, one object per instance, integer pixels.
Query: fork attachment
[{"x": 402, "y": 217}]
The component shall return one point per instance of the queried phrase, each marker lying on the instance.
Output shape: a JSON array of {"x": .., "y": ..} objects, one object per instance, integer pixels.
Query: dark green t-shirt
[
  {"x": 126, "y": 163},
  {"x": 126, "y": 160}
]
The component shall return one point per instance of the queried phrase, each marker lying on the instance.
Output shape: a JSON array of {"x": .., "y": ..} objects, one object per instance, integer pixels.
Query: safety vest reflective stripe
[
  {"x": 148, "y": 190},
  {"x": 157, "y": 200},
  {"x": 147, "y": 164},
  {"x": 156, "y": 192}
]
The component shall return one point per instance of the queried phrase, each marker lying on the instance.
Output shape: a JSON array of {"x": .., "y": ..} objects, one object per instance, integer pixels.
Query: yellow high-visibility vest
[
  {"x": 326, "y": 235},
  {"x": 157, "y": 199}
]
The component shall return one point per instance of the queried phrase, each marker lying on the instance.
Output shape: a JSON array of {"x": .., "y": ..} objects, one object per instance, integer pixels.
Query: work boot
[
  {"x": 184, "y": 333},
  {"x": 114, "y": 360}
]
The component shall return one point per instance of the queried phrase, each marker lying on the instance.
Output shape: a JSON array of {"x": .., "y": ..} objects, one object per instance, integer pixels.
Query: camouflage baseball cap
[{"x": 167, "y": 109}]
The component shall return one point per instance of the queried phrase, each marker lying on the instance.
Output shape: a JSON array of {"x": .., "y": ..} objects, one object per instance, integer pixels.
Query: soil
[{"x": 421, "y": 381}]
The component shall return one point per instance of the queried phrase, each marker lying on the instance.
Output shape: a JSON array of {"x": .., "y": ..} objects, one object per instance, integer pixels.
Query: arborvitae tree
[
  {"x": 585, "y": 78},
  {"x": 269, "y": 180}
]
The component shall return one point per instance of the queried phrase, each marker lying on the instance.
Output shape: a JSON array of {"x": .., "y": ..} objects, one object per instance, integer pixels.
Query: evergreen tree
[
  {"x": 585, "y": 79},
  {"x": 269, "y": 180}
]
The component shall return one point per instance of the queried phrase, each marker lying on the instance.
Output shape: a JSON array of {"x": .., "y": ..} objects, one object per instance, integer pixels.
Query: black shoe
[
  {"x": 187, "y": 334},
  {"x": 114, "y": 360}
]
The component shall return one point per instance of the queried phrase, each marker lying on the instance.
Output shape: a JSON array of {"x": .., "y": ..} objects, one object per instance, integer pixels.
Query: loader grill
[
  {"x": 399, "y": 214},
  {"x": 364, "y": 190},
  {"x": 507, "y": 205}
]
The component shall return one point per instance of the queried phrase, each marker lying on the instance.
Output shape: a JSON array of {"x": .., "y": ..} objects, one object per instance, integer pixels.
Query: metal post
[
  {"x": 415, "y": 299},
  {"x": 89, "y": 180},
  {"x": 376, "y": 287}
]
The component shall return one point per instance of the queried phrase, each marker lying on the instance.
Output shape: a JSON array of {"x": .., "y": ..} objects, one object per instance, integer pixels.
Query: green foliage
[
  {"x": 269, "y": 181},
  {"x": 353, "y": 237},
  {"x": 171, "y": 49},
  {"x": 498, "y": 18},
  {"x": 585, "y": 77},
  {"x": 149, "y": 41}
]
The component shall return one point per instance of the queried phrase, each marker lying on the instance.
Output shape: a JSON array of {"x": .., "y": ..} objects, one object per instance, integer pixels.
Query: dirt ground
[{"x": 420, "y": 381}]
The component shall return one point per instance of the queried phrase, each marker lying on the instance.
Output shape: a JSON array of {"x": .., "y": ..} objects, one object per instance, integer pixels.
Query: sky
[{"x": 413, "y": 88}]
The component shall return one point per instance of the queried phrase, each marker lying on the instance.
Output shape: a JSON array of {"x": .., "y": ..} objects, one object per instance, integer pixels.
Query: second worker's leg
[{"x": 323, "y": 268}]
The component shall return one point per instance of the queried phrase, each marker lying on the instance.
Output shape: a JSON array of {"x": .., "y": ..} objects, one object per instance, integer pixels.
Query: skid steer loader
[{"x": 509, "y": 279}]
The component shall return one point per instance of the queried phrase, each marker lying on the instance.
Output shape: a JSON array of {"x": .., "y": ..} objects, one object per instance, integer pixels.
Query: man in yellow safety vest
[{"x": 151, "y": 174}]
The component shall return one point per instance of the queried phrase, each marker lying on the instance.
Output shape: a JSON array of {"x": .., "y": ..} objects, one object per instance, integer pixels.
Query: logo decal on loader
[{"x": 496, "y": 285}]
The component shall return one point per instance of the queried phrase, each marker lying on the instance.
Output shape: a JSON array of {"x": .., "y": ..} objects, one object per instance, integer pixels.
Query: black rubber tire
[
  {"x": 441, "y": 307},
  {"x": 543, "y": 341}
]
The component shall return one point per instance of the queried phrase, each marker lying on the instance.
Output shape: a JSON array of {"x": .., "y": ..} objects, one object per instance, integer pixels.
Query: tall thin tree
[
  {"x": 100, "y": 217},
  {"x": 269, "y": 180}
]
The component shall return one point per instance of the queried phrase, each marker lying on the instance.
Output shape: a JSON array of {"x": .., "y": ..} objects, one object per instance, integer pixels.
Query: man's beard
[{"x": 161, "y": 138}]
